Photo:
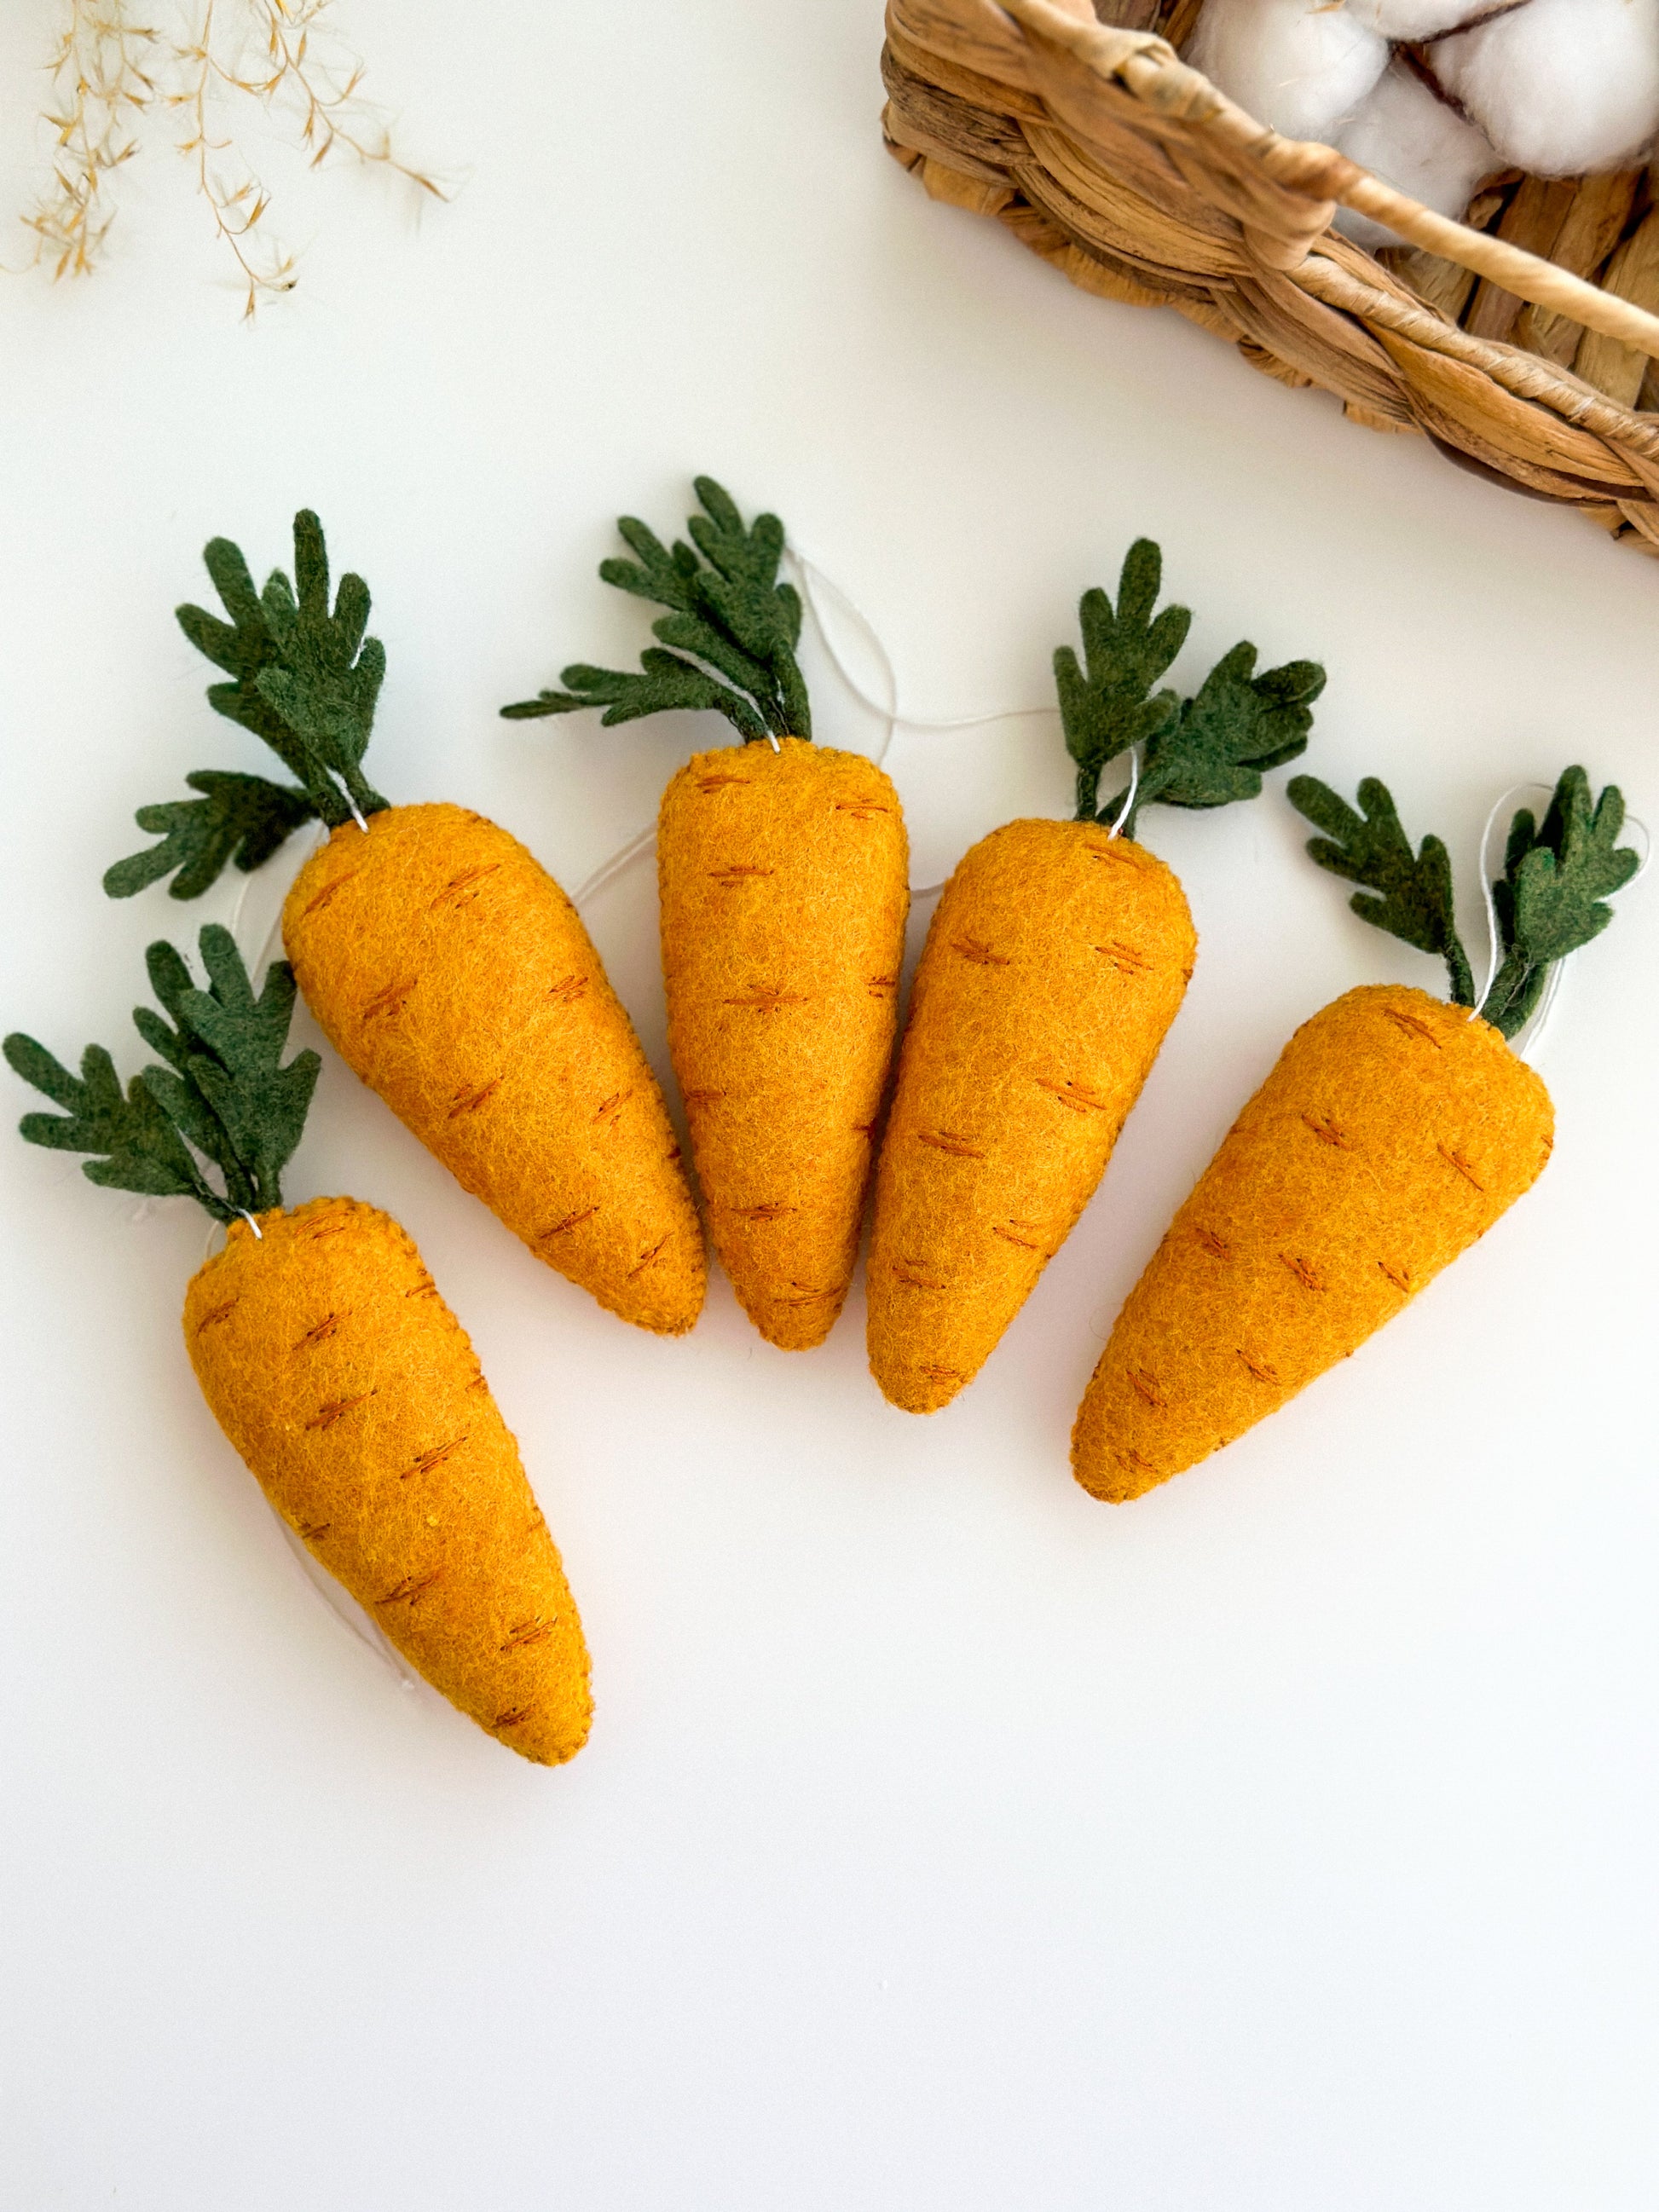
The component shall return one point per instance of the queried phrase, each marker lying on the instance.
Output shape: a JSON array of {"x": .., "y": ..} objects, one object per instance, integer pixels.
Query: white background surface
[{"x": 945, "y": 1839}]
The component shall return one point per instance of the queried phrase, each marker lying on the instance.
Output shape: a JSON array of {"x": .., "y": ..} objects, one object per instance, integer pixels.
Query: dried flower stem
[{"x": 108, "y": 71}]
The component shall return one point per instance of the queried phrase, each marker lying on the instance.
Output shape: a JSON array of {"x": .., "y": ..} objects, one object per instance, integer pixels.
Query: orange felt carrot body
[
  {"x": 1393, "y": 1132},
  {"x": 327, "y": 1354},
  {"x": 445, "y": 965},
  {"x": 449, "y": 970},
  {"x": 1056, "y": 962},
  {"x": 350, "y": 1389},
  {"x": 785, "y": 890},
  {"x": 1057, "y": 958}
]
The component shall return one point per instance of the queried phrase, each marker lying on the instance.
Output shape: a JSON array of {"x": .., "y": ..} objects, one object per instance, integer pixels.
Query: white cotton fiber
[
  {"x": 1414, "y": 19},
  {"x": 1415, "y": 142},
  {"x": 1300, "y": 68},
  {"x": 1561, "y": 86}
]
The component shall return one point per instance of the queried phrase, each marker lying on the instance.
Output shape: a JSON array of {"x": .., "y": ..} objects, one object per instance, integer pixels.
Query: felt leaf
[
  {"x": 134, "y": 1145},
  {"x": 1109, "y": 704},
  {"x": 1551, "y": 898},
  {"x": 1239, "y": 725},
  {"x": 1408, "y": 894},
  {"x": 176, "y": 1088},
  {"x": 306, "y": 680},
  {"x": 665, "y": 681},
  {"x": 728, "y": 613},
  {"x": 237, "y": 1040},
  {"x": 244, "y": 818}
]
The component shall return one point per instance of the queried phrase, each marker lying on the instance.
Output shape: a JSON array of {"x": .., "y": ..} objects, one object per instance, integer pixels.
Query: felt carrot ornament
[
  {"x": 445, "y": 965},
  {"x": 1393, "y": 1131},
  {"x": 327, "y": 1354},
  {"x": 1058, "y": 956},
  {"x": 783, "y": 877}
]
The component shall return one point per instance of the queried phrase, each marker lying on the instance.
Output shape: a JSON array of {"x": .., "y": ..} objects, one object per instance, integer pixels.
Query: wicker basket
[{"x": 1104, "y": 153}]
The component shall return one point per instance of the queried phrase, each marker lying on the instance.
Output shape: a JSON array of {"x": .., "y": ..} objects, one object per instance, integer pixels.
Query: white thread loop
[
  {"x": 1128, "y": 807},
  {"x": 252, "y": 1223}
]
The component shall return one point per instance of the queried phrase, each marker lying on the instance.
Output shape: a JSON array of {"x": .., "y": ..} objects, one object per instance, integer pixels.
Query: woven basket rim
[{"x": 1148, "y": 67}]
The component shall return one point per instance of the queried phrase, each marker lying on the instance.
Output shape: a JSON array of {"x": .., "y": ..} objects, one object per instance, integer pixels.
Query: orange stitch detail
[
  {"x": 468, "y": 1102},
  {"x": 1125, "y": 958},
  {"x": 739, "y": 872},
  {"x": 1009, "y": 1237},
  {"x": 1146, "y": 1386},
  {"x": 616, "y": 1099},
  {"x": 459, "y": 888},
  {"x": 427, "y": 1461},
  {"x": 1213, "y": 1244},
  {"x": 410, "y": 1588},
  {"x": 655, "y": 1253},
  {"x": 1456, "y": 1161},
  {"x": 529, "y": 1633},
  {"x": 569, "y": 990},
  {"x": 513, "y": 1714},
  {"x": 947, "y": 1141},
  {"x": 570, "y": 1221},
  {"x": 217, "y": 1314},
  {"x": 326, "y": 1416},
  {"x": 719, "y": 782},
  {"x": 1304, "y": 1272},
  {"x": 1413, "y": 1026},
  {"x": 773, "y": 1209},
  {"x": 1398, "y": 1276},
  {"x": 324, "y": 1328},
  {"x": 329, "y": 889},
  {"x": 767, "y": 998},
  {"x": 1263, "y": 1369},
  {"x": 1077, "y": 1096},
  {"x": 392, "y": 1000},
  {"x": 970, "y": 948},
  {"x": 1329, "y": 1132}
]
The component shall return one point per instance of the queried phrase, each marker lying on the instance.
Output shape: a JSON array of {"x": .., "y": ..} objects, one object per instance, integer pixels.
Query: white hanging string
[{"x": 1529, "y": 1038}]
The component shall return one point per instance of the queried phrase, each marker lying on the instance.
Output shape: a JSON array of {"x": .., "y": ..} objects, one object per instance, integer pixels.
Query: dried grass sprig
[{"x": 111, "y": 75}]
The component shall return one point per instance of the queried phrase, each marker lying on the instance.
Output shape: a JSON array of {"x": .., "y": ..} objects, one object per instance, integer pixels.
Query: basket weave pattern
[{"x": 1104, "y": 153}]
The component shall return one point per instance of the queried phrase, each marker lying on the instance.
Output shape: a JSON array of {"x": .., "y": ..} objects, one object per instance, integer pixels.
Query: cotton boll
[
  {"x": 1414, "y": 19},
  {"x": 1409, "y": 139},
  {"x": 1561, "y": 86},
  {"x": 1300, "y": 68}
]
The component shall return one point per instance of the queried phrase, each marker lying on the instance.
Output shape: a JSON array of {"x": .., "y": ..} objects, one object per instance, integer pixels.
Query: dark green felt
[
  {"x": 1409, "y": 896},
  {"x": 244, "y": 818},
  {"x": 1550, "y": 898},
  {"x": 1204, "y": 752},
  {"x": 224, "y": 1096},
  {"x": 731, "y": 630},
  {"x": 1108, "y": 703},
  {"x": 1223, "y": 742},
  {"x": 305, "y": 680}
]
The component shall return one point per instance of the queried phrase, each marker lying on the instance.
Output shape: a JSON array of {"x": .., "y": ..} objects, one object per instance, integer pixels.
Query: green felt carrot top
[
  {"x": 224, "y": 1100},
  {"x": 303, "y": 678},
  {"x": 1208, "y": 751},
  {"x": 728, "y": 640},
  {"x": 1549, "y": 901}
]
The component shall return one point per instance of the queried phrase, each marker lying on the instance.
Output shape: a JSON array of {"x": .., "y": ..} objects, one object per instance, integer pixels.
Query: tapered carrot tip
[
  {"x": 450, "y": 971},
  {"x": 1392, "y": 1134},
  {"x": 784, "y": 892},
  {"x": 1057, "y": 958},
  {"x": 338, "y": 1373}
]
